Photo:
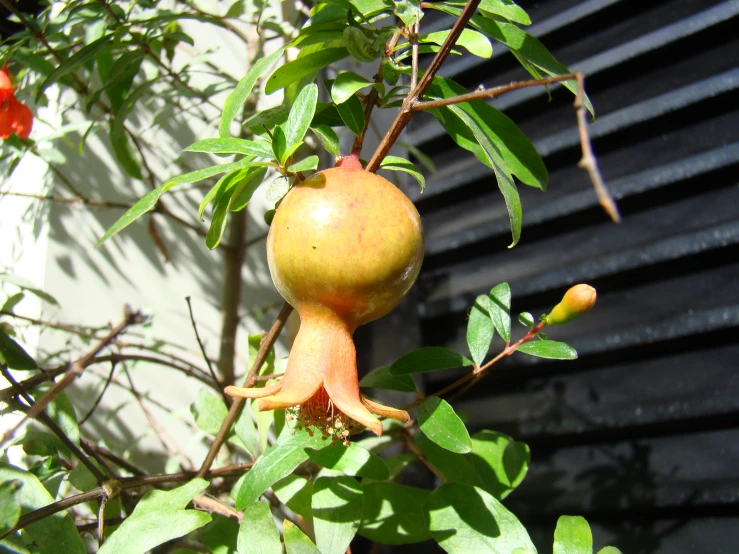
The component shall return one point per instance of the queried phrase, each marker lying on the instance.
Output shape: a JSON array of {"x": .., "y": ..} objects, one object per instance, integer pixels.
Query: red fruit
[
  {"x": 344, "y": 247},
  {"x": 15, "y": 117}
]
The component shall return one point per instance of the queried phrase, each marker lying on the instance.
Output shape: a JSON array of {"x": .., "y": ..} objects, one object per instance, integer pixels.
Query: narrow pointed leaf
[
  {"x": 299, "y": 68},
  {"x": 500, "y": 310},
  {"x": 301, "y": 115},
  {"x": 13, "y": 354},
  {"x": 551, "y": 349},
  {"x": 236, "y": 99},
  {"x": 438, "y": 421},
  {"x": 260, "y": 148},
  {"x": 337, "y": 511},
  {"x": 475, "y": 42},
  {"x": 480, "y": 329},
  {"x": 396, "y": 163}
]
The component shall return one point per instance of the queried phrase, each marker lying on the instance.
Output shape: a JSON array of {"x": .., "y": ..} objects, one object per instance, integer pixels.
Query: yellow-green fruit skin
[
  {"x": 576, "y": 301},
  {"x": 346, "y": 241}
]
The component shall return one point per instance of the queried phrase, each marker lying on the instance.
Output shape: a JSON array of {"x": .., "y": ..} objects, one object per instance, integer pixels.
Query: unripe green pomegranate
[{"x": 344, "y": 247}]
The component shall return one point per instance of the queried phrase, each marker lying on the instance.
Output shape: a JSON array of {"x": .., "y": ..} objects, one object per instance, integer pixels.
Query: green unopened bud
[
  {"x": 576, "y": 301},
  {"x": 359, "y": 45}
]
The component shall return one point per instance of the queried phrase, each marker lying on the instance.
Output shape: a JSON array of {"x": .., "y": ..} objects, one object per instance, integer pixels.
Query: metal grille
[{"x": 641, "y": 433}]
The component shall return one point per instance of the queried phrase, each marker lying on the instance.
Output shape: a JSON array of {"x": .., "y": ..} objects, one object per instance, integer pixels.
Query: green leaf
[
  {"x": 380, "y": 378},
  {"x": 609, "y": 550},
  {"x": 217, "y": 190},
  {"x": 394, "y": 514},
  {"x": 123, "y": 149},
  {"x": 573, "y": 536},
  {"x": 346, "y": 84},
  {"x": 73, "y": 62},
  {"x": 299, "y": 68},
  {"x": 257, "y": 532},
  {"x": 38, "y": 443},
  {"x": 219, "y": 536},
  {"x": 526, "y": 319},
  {"x": 10, "y": 504},
  {"x": 351, "y": 460},
  {"x": 277, "y": 189},
  {"x": 431, "y": 358},
  {"x": 438, "y": 421},
  {"x": 503, "y": 8},
  {"x": 396, "y": 163},
  {"x": 352, "y": 114},
  {"x": 500, "y": 461},
  {"x": 242, "y": 91},
  {"x": 260, "y": 148},
  {"x": 455, "y": 467},
  {"x": 480, "y": 329},
  {"x": 337, "y": 511},
  {"x": 12, "y": 301},
  {"x": 551, "y": 349},
  {"x": 398, "y": 463},
  {"x": 13, "y": 354},
  {"x": 246, "y": 431},
  {"x": 148, "y": 202},
  {"x": 306, "y": 164},
  {"x": 328, "y": 138},
  {"x": 55, "y": 533},
  {"x": 61, "y": 410},
  {"x": 267, "y": 118},
  {"x": 159, "y": 517},
  {"x": 409, "y": 11},
  {"x": 295, "y": 540},
  {"x": 505, "y": 182},
  {"x": 296, "y": 493},
  {"x": 277, "y": 462},
  {"x": 517, "y": 151},
  {"x": 245, "y": 189},
  {"x": 500, "y": 311},
  {"x": 209, "y": 411},
  {"x": 466, "y": 519},
  {"x": 301, "y": 115},
  {"x": 475, "y": 42},
  {"x": 279, "y": 143}
]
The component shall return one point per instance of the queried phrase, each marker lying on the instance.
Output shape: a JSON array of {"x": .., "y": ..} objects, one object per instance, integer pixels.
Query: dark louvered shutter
[{"x": 641, "y": 433}]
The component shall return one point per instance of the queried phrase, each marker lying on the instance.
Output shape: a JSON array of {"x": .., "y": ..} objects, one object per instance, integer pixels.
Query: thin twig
[
  {"x": 127, "y": 483},
  {"x": 202, "y": 350},
  {"x": 405, "y": 114},
  {"x": 268, "y": 341},
  {"x": 100, "y": 396},
  {"x": 76, "y": 369},
  {"x": 90, "y": 447}
]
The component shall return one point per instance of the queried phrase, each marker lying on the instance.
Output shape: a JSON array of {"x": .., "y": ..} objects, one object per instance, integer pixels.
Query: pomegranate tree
[{"x": 344, "y": 247}]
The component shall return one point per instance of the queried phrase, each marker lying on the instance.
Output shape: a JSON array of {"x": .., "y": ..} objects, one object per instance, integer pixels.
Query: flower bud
[{"x": 576, "y": 301}]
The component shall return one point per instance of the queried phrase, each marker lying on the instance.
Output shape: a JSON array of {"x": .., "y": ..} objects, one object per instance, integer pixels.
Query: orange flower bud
[
  {"x": 15, "y": 117},
  {"x": 576, "y": 301}
]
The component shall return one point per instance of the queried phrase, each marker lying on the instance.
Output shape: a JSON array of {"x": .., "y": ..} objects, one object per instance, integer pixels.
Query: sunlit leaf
[
  {"x": 337, "y": 511},
  {"x": 573, "y": 536},
  {"x": 346, "y": 84},
  {"x": 261, "y": 148},
  {"x": 438, "y": 421},
  {"x": 257, "y": 532},
  {"x": 350, "y": 460},
  {"x": 301, "y": 115},
  {"x": 396, "y": 163},
  {"x": 500, "y": 462},
  {"x": 500, "y": 309},
  {"x": 352, "y": 114},
  {"x": 474, "y": 41},
  {"x": 549, "y": 349},
  {"x": 299, "y": 68},
  {"x": 394, "y": 514},
  {"x": 296, "y": 542},
  {"x": 296, "y": 493},
  {"x": 306, "y": 164},
  {"x": 480, "y": 329},
  {"x": 328, "y": 138}
]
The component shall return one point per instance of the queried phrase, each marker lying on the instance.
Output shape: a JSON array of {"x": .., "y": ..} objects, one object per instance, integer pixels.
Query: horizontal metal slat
[
  {"x": 655, "y": 40},
  {"x": 566, "y": 205}
]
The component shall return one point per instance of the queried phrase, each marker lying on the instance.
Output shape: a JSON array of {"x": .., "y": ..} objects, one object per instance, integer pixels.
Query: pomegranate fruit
[{"x": 344, "y": 247}]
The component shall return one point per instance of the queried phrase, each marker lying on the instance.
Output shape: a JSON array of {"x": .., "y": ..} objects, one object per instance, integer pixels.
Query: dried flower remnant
[
  {"x": 344, "y": 247},
  {"x": 15, "y": 117}
]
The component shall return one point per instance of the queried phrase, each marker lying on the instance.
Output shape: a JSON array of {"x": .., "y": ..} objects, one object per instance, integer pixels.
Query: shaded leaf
[
  {"x": 299, "y": 68},
  {"x": 246, "y": 431},
  {"x": 267, "y": 118},
  {"x": 28, "y": 286},
  {"x": 337, "y": 511},
  {"x": 55, "y": 533},
  {"x": 352, "y": 114},
  {"x": 219, "y": 536},
  {"x": 13, "y": 354},
  {"x": 328, "y": 138},
  {"x": 409, "y": 11},
  {"x": 438, "y": 421},
  {"x": 160, "y": 516},
  {"x": 502, "y": 175},
  {"x": 500, "y": 311},
  {"x": 295, "y": 540},
  {"x": 573, "y": 536},
  {"x": 236, "y": 99},
  {"x": 480, "y": 329},
  {"x": 209, "y": 411},
  {"x": 432, "y": 358},
  {"x": 500, "y": 461},
  {"x": 380, "y": 378},
  {"x": 396, "y": 163},
  {"x": 394, "y": 514},
  {"x": 296, "y": 493},
  {"x": 466, "y": 519},
  {"x": 350, "y": 460},
  {"x": 346, "y": 84},
  {"x": 551, "y": 349},
  {"x": 526, "y": 319},
  {"x": 10, "y": 504},
  {"x": 257, "y": 532},
  {"x": 245, "y": 189},
  {"x": 277, "y": 462}
]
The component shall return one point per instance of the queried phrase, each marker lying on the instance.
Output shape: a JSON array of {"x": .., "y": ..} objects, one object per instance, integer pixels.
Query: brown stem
[
  {"x": 100, "y": 396},
  {"x": 202, "y": 350},
  {"x": 414, "y": 29},
  {"x": 76, "y": 369},
  {"x": 238, "y": 403},
  {"x": 126, "y": 483},
  {"x": 90, "y": 447},
  {"x": 406, "y": 113}
]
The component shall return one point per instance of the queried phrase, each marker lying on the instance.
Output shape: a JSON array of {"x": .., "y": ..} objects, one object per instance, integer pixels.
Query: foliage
[{"x": 100, "y": 62}]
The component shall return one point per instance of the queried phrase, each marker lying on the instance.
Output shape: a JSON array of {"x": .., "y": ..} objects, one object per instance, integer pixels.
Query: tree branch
[
  {"x": 238, "y": 403},
  {"x": 405, "y": 114}
]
